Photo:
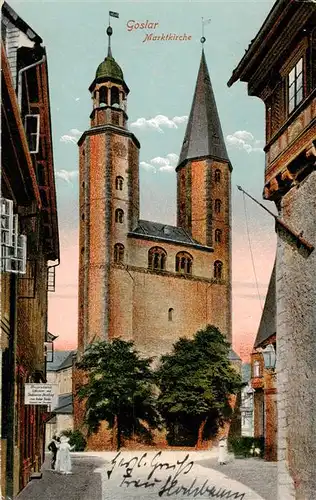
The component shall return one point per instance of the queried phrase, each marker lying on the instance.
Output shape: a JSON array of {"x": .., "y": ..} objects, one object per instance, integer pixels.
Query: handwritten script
[{"x": 166, "y": 478}]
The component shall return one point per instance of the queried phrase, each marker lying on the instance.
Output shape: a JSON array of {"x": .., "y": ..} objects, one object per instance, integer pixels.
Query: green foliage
[
  {"x": 120, "y": 390},
  {"x": 244, "y": 446},
  {"x": 195, "y": 382},
  {"x": 76, "y": 438}
]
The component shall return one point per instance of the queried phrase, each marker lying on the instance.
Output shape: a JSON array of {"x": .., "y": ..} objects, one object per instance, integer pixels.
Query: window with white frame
[
  {"x": 295, "y": 85},
  {"x": 32, "y": 131}
]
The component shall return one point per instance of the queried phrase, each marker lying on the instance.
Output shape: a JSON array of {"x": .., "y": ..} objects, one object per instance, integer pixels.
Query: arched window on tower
[
  {"x": 103, "y": 96},
  {"x": 119, "y": 216},
  {"x": 119, "y": 253},
  {"x": 184, "y": 263},
  {"x": 119, "y": 183},
  {"x": 157, "y": 259},
  {"x": 218, "y": 270},
  {"x": 217, "y": 175},
  {"x": 218, "y": 206},
  {"x": 115, "y": 96},
  {"x": 218, "y": 235},
  {"x": 170, "y": 314}
]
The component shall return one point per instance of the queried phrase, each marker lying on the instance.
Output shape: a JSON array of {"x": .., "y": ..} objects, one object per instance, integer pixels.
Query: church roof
[
  {"x": 164, "y": 232},
  {"x": 203, "y": 136},
  {"x": 267, "y": 326}
]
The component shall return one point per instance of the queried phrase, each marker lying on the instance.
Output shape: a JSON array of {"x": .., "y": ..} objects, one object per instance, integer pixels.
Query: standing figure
[
  {"x": 53, "y": 447},
  {"x": 222, "y": 455},
  {"x": 63, "y": 460}
]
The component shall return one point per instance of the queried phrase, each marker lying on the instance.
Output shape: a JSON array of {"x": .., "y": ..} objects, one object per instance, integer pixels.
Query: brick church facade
[{"x": 141, "y": 280}]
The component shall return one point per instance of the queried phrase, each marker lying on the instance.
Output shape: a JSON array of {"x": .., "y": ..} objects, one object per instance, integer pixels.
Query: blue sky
[{"x": 161, "y": 76}]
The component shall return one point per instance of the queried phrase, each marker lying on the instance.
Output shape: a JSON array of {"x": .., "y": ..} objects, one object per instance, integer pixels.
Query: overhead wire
[{"x": 251, "y": 253}]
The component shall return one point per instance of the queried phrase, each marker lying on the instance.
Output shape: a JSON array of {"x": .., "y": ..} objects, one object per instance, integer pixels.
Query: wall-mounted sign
[{"x": 40, "y": 394}]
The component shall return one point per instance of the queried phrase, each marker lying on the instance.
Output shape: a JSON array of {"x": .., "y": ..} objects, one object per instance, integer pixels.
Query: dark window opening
[
  {"x": 184, "y": 263},
  {"x": 157, "y": 259},
  {"x": 103, "y": 95},
  {"x": 218, "y": 206},
  {"x": 218, "y": 235},
  {"x": 170, "y": 314},
  {"x": 119, "y": 183},
  {"x": 115, "y": 96},
  {"x": 217, "y": 175},
  {"x": 218, "y": 270},
  {"x": 119, "y": 216},
  {"x": 119, "y": 253}
]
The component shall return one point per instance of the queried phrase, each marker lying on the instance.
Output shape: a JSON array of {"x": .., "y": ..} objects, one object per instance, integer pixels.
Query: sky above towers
[{"x": 161, "y": 74}]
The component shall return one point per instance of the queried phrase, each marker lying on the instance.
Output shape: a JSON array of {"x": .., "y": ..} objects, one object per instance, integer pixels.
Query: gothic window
[
  {"x": 119, "y": 215},
  {"x": 157, "y": 259},
  {"x": 218, "y": 235},
  {"x": 218, "y": 206},
  {"x": 256, "y": 369},
  {"x": 170, "y": 314},
  {"x": 119, "y": 183},
  {"x": 218, "y": 270},
  {"x": 295, "y": 85},
  {"x": 103, "y": 95},
  {"x": 217, "y": 175},
  {"x": 115, "y": 96},
  {"x": 184, "y": 263},
  {"x": 119, "y": 253}
]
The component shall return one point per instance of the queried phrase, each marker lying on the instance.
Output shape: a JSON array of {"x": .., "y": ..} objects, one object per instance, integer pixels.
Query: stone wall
[{"x": 296, "y": 347}]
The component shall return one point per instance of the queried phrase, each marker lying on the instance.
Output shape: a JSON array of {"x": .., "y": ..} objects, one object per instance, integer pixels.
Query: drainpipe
[{"x": 20, "y": 74}]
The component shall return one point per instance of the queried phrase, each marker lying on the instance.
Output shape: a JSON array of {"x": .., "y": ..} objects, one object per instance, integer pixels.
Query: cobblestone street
[
  {"x": 151, "y": 475},
  {"x": 259, "y": 475}
]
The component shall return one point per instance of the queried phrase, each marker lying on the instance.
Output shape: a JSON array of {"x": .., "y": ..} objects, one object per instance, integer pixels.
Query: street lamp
[{"x": 269, "y": 357}]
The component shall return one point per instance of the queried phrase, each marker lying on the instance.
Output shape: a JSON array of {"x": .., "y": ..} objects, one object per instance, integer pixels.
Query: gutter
[{"x": 20, "y": 73}]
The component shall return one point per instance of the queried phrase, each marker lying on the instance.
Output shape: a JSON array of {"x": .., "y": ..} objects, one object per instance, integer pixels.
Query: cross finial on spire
[{"x": 203, "y": 39}]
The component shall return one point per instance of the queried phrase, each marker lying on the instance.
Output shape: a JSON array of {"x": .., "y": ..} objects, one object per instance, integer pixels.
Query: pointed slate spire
[{"x": 203, "y": 136}]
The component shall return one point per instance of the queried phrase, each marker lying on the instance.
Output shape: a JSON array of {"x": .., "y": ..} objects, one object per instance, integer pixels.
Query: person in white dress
[
  {"x": 222, "y": 452},
  {"x": 63, "y": 459}
]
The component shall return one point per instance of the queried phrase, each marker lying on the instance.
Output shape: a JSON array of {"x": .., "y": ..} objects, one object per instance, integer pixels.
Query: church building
[{"x": 142, "y": 280}]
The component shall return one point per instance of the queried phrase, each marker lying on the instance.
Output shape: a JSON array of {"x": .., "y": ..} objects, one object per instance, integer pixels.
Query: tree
[
  {"x": 120, "y": 389},
  {"x": 196, "y": 381}
]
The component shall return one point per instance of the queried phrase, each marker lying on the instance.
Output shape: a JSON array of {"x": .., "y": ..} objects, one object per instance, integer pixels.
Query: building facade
[
  {"x": 247, "y": 402},
  {"x": 29, "y": 245},
  {"x": 263, "y": 375},
  {"x": 142, "y": 280},
  {"x": 59, "y": 372},
  {"x": 280, "y": 68}
]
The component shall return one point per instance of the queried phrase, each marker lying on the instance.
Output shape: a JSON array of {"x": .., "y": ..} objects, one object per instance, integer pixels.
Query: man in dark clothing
[{"x": 53, "y": 447}]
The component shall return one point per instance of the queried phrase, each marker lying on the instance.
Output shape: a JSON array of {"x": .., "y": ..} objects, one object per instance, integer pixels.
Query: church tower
[
  {"x": 204, "y": 190},
  {"x": 108, "y": 196}
]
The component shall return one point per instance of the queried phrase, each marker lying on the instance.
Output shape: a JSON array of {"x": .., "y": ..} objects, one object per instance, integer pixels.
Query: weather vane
[
  {"x": 204, "y": 23},
  {"x": 109, "y": 30}
]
